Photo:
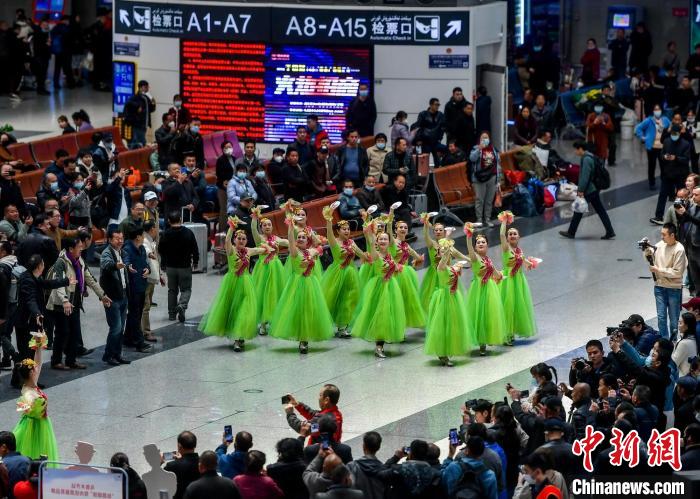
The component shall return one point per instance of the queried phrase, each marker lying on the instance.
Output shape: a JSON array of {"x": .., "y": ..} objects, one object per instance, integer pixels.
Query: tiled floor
[{"x": 197, "y": 383}]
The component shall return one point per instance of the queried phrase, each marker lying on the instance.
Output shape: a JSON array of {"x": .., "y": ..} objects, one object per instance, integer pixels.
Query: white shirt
[
  {"x": 123, "y": 212},
  {"x": 685, "y": 348},
  {"x": 153, "y": 264},
  {"x": 122, "y": 274}
]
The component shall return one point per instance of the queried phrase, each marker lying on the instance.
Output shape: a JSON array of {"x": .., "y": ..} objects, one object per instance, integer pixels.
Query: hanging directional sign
[{"x": 293, "y": 25}]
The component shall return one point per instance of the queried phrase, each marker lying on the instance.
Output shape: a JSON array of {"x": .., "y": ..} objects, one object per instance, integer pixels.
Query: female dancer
[
  {"x": 34, "y": 431},
  {"x": 448, "y": 331},
  {"x": 234, "y": 311},
  {"x": 340, "y": 281},
  {"x": 484, "y": 305},
  {"x": 430, "y": 279},
  {"x": 515, "y": 292},
  {"x": 268, "y": 275},
  {"x": 407, "y": 276},
  {"x": 366, "y": 267},
  {"x": 380, "y": 315},
  {"x": 299, "y": 218},
  {"x": 302, "y": 314}
]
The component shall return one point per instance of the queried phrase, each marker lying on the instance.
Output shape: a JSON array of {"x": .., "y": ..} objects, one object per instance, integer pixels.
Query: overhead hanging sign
[
  {"x": 191, "y": 21},
  {"x": 240, "y": 22}
]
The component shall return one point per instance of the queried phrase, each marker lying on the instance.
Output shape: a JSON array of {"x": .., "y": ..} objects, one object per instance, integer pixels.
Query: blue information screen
[
  {"x": 123, "y": 83},
  {"x": 265, "y": 91}
]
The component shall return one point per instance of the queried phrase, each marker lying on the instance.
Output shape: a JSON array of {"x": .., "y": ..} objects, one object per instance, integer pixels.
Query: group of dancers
[{"x": 299, "y": 301}]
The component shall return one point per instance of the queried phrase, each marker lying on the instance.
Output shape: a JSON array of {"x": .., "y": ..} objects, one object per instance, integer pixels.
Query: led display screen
[
  {"x": 265, "y": 91},
  {"x": 621, "y": 21}
]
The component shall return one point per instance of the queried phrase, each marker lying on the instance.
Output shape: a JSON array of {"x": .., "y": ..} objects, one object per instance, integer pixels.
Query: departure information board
[{"x": 265, "y": 91}]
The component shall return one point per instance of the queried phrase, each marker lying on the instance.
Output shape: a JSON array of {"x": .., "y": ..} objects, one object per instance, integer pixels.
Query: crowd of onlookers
[
  {"x": 521, "y": 447},
  {"x": 28, "y": 46}
]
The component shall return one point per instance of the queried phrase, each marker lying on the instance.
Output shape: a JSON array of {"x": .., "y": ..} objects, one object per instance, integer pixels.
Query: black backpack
[
  {"x": 14, "y": 273},
  {"x": 600, "y": 176}
]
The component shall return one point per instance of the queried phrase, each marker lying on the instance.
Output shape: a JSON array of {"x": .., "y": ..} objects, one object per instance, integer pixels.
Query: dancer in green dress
[
  {"x": 315, "y": 240},
  {"x": 269, "y": 277},
  {"x": 34, "y": 431},
  {"x": 448, "y": 331},
  {"x": 302, "y": 314},
  {"x": 515, "y": 292},
  {"x": 430, "y": 280},
  {"x": 380, "y": 315},
  {"x": 234, "y": 311},
  {"x": 484, "y": 305},
  {"x": 366, "y": 267},
  {"x": 401, "y": 251},
  {"x": 340, "y": 282}
]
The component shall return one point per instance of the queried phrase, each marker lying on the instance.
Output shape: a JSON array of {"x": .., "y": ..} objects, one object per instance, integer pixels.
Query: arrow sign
[
  {"x": 455, "y": 28},
  {"x": 124, "y": 18}
]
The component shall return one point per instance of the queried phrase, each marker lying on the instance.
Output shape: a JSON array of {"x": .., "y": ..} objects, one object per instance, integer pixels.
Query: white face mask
[
  {"x": 171, "y": 124},
  {"x": 228, "y": 151},
  {"x": 528, "y": 480}
]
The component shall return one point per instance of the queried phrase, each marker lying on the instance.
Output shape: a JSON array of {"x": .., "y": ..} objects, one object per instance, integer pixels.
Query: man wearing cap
[
  {"x": 559, "y": 450},
  {"x": 644, "y": 335},
  {"x": 150, "y": 199},
  {"x": 683, "y": 398},
  {"x": 318, "y": 173},
  {"x": 690, "y": 218},
  {"x": 675, "y": 167},
  {"x": 693, "y": 306}
]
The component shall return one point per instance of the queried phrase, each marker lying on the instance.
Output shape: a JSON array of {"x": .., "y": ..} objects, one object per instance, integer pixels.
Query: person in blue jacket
[
  {"x": 469, "y": 472},
  {"x": 650, "y": 131},
  {"x": 233, "y": 464},
  {"x": 136, "y": 262}
]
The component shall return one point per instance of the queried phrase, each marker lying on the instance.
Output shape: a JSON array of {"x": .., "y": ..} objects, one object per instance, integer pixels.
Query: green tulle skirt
[
  {"x": 234, "y": 311},
  {"x": 428, "y": 286},
  {"x": 341, "y": 290},
  {"x": 269, "y": 280},
  {"x": 485, "y": 313},
  {"x": 408, "y": 283},
  {"x": 288, "y": 269},
  {"x": 302, "y": 314},
  {"x": 35, "y": 437},
  {"x": 365, "y": 274},
  {"x": 380, "y": 315},
  {"x": 519, "y": 313},
  {"x": 448, "y": 331}
]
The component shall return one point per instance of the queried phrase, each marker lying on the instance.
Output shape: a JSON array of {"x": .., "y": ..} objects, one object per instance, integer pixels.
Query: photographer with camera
[
  {"x": 638, "y": 333},
  {"x": 689, "y": 215},
  {"x": 10, "y": 192},
  {"x": 589, "y": 371},
  {"x": 668, "y": 263}
]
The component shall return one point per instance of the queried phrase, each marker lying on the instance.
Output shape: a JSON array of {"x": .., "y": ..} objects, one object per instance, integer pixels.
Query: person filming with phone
[
  {"x": 328, "y": 399},
  {"x": 233, "y": 464},
  {"x": 322, "y": 433}
]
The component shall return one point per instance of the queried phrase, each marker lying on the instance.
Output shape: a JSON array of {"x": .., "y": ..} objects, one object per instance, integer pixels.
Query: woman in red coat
[
  {"x": 591, "y": 63},
  {"x": 599, "y": 126}
]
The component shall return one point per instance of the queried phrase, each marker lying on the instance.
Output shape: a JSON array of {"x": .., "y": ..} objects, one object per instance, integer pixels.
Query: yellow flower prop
[
  {"x": 506, "y": 217},
  {"x": 327, "y": 213},
  {"x": 446, "y": 243},
  {"x": 39, "y": 340},
  {"x": 28, "y": 363}
]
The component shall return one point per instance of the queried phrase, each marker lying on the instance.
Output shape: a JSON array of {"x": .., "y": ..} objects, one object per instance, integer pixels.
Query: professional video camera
[
  {"x": 681, "y": 203},
  {"x": 644, "y": 243},
  {"x": 623, "y": 327}
]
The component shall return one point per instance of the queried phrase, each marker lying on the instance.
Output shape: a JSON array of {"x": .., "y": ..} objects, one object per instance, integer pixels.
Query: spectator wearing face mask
[
  {"x": 49, "y": 190},
  {"x": 675, "y": 167},
  {"x": 180, "y": 112},
  {"x": 262, "y": 187},
  {"x": 599, "y": 126},
  {"x": 368, "y": 195},
  {"x": 362, "y": 112},
  {"x": 164, "y": 138},
  {"x": 274, "y": 168},
  {"x": 189, "y": 141},
  {"x": 350, "y": 207},
  {"x": 650, "y": 131},
  {"x": 225, "y": 165},
  {"x": 238, "y": 188},
  {"x": 376, "y": 155}
]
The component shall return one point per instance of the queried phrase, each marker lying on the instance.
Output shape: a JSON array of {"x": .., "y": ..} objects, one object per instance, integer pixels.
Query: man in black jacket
[
  {"x": 179, "y": 254},
  {"x": 364, "y": 469},
  {"x": 399, "y": 161},
  {"x": 690, "y": 217},
  {"x": 580, "y": 414},
  {"x": 431, "y": 127},
  {"x": 362, "y": 112},
  {"x": 164, "y": 138},
  {"x": 453, "y": 109},
  {"x": 675, "y": 167},
  {"x": 186, "y": 464},
  {"x": 294, "y": 180},
  {"x": 38, "y": 242},
  {"x": 302, "y": 146},
  {"x": 189, "y": 141},
  {"x": 414, "y": 478},
  {"x": 114, "y": 282},
  {"x": 263, "y": 189},
  {"x": 137, "y": 114},
  {"x": 210, "y": 484},
  {"x": 179, "y": 192},
  {"x": 369, "y": 195},
  {"x": 593, "y": 369},
  {"x": 118, "y": 198},
  {"x": 397, "y": 192}
]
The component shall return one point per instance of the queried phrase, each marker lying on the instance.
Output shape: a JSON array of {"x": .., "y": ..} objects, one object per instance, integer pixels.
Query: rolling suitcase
[
  {"x": 201, "y": 234},
  {"x": 220, "y": 250}
]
